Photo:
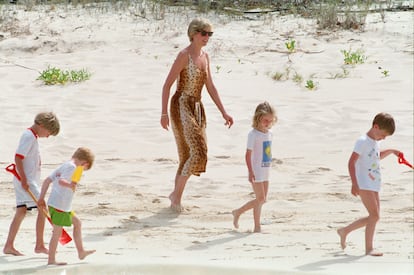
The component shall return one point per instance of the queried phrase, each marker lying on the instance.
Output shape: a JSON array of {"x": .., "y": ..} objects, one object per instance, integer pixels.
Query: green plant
[
  {"x": 290, "y": 46},
  {"x": 344, "y": 74},
  {"x": 78, "y": 76},
  {"x": 218, "y": 69},
  {"x": 352, "y": 58},
  {"x": 277, "y": 76},
  {"x": 310, "y": 85},
  {"x": 297, "y": 78},
  {"x": 385, "y": 73},
  {"x": 52, "y": 76}
]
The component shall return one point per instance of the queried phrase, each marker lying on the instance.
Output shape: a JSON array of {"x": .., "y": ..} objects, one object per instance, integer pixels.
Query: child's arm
[
  {"x": 45, "y": 186},
  {"x": 249, "y": 165},
  {"x": 20, "y": 170},
  {"x": 66, "y": 183},
  {"x": 387, "y": 152},
  {"x": 351, "y": 168}
]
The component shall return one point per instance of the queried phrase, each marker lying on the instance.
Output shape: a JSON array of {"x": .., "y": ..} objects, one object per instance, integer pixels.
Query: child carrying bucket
[{"x": 64, "y": 179}]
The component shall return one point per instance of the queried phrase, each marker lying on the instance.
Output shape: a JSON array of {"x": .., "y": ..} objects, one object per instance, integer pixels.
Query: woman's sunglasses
[{"x": 204, "y": 33}]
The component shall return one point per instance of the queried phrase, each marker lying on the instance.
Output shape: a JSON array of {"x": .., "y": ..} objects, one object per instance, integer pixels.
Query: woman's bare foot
[
  {"x": 342, "y": 235},
  {"x": 12, "y": 251},
  {"x": 236, "y": 217},
  {"x": 56, "y": 263},
  {"x": 43, "y": 250},
  {"x": 374, "y": 253},
  {"x": 82, "y": 255},
  {"x": 257, "y": 230},
  {"x": 177, "y": 208}
]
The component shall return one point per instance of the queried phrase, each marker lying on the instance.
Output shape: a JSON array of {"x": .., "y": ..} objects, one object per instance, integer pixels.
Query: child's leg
[
  {"x": 57, "y": 231},
  {"x": 260, "y": 191},
  {"x": 40, "y": 228},
  {"x": 14, "y": 228},
  {"x": 77, "y": 235},
  {"x": 371, "y": 201},
  {"x": 344, "y": 231},
  {"x": 237, "y": 212},
  {"x": 266, "y": 189}
]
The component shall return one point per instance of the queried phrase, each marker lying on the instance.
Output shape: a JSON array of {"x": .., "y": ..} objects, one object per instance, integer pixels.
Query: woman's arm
[
  {"x": 212, "y": 90},
  {"x": 178, "y": 65}
]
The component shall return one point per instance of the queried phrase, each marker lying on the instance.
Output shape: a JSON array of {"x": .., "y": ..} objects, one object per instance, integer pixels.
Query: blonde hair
[
  {"x": 85, "y": 154},
  {"x": 261, "y": 110},
  {"x": 198, "y": 25},
  {"x": 49, "y": 121}
]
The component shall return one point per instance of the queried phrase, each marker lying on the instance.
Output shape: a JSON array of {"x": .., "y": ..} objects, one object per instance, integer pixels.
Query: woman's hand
[
  {"x": 165, "y": 121},
  {"x": 228, "y": 119}
]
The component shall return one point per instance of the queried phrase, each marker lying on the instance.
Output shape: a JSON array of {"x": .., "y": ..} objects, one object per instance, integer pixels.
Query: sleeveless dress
[{"x": 188, "y": 120}]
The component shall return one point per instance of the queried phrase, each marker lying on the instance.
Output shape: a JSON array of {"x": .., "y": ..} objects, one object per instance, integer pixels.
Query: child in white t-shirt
[
  {"x": 60, "y": 201},
  {"x": 27, "y": 160},
  {"x": 364, "y": 170},
  {"x": 258, "y": 160}
]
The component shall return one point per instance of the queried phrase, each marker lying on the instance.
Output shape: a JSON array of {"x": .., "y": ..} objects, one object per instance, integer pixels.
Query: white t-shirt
[
  {"x": 367, "y": 167},
  {"x": 61, "y": 197},
  {"x": 261, "y": 146},
  {"x": 28, "y": 151}
]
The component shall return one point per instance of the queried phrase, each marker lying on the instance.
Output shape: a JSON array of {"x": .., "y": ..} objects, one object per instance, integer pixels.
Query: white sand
[{"x": 123, "y": 201}]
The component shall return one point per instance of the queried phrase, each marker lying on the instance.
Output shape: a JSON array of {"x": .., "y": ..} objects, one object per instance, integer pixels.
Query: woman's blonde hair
[
  {"x": 261, "y": 110},
  {"x": 198, "y": 25}
]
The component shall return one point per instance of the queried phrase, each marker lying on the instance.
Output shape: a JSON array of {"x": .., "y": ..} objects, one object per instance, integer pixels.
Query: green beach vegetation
[
  {"x": 53, "y": 75},
  {"x": 329, "y": 14}
]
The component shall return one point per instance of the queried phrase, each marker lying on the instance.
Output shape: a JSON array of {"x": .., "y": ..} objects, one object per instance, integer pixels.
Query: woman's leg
[{"x": 176, "y": 195}]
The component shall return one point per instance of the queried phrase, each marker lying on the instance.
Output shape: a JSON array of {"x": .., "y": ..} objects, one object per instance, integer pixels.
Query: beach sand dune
[{"x": 123, "y": 201}]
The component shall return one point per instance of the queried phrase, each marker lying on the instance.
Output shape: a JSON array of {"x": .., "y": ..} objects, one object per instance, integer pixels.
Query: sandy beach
[{"x": 123, "y": 201}]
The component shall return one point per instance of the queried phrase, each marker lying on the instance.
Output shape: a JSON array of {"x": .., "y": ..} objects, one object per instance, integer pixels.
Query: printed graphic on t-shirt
[
  {"x": 373, "y": 171},
  {"x": 267, "y": 154}
]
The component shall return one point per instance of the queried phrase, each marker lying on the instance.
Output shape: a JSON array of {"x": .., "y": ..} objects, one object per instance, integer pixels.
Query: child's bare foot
[
  {"x": 257, "y": 230},
  {"x": 43, "y": 250},
  {"x": 56, "y": 263},
  {"x": 82, "y": 255},
  {"x": 12, "y": 251},
  {"x": 374, "y": 253},
  {"x": 342, "y": 235},
  {"x": 236, "y": 217}
]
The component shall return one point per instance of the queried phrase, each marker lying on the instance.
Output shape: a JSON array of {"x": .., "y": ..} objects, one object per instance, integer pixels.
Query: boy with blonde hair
[
  {"x": 27, "y": 159},
  {"x": 60, "y": 201}
]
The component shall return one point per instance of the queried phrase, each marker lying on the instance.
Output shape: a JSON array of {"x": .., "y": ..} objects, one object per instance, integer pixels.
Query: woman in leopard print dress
[{"x": 191, "y": 69}]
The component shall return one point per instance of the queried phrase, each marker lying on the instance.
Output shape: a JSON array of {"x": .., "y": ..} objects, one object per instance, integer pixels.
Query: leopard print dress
[{"x": 188, "y": 120}]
